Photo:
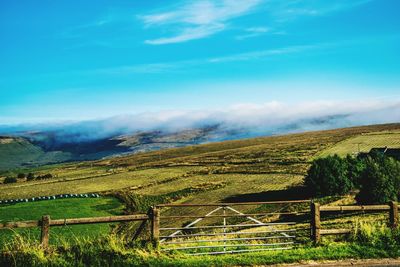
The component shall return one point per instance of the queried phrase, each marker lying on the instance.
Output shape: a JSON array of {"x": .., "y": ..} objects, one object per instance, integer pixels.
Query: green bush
[
  {"x": 10, "y": 180},
  {"x": 379, "y": 181},
  {"x": 355, "y": 167},
  {"x": 375, "y": 175},
  {"x": 329, "y": 176},
  {"x": 21, "y": 175},
  {"x": 30, "y": 176},
  {"x": 44, "y": 176}
]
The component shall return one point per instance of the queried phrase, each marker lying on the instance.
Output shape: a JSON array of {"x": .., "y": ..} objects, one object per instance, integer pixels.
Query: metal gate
[{"x": 200, "y": 229}]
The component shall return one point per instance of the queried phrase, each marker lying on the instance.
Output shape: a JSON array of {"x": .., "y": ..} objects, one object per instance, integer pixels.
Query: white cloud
[
  {"x": 189, "y": 34},
  {"x": 140, "y": 68},
  {"x": 162, "y": 67},
  {"x": 293, "y": 9},
  {"x": 202, "y": 18},
  {"x": 253, "y": 32},
  {"x": 265, "y": 53},
  {"x": 197, "y": 19},
  {"x": 252, "y": 118}
]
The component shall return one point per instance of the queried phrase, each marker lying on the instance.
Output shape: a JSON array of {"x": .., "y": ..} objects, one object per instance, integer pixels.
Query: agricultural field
[
  {"x": 258, "y": 169},
  {"x": 61, "y": 209},
  {"x": 236, "y": 168},
  {"x": 364, "y": 143}
]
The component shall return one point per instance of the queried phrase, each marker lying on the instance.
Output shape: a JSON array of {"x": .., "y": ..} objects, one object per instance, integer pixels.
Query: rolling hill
[
  {"x": 37, "y": 145},
  {"x": 16, "y": 152},
  {"x": 257, "y": 167},
  {"x": 41, "y": 148}
]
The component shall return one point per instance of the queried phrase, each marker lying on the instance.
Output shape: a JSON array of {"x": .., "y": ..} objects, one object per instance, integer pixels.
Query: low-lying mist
[{"x": 235, "y": 122}]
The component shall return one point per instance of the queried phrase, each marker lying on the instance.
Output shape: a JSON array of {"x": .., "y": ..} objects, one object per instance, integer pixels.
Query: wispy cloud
[
  {"x": 203, "y": 18},
  {"x": 141, "y": 68},
  {"x": 189, "y": 20},
  {"x": 253, "y": 32},
  {"x": 197, "y": 19},
  {"x": 292, "y": 9},
  {"x": 163, "y": 67},
  {"x": 189, "y": 34},
  {"x": 265, "y": 53}
]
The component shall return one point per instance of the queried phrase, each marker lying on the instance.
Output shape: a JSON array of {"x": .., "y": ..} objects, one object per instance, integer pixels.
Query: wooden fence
[
  {"x": 46, "y": 222},
  {"x": 317, "y": 210},
  {"x": 154, "y": 217}
]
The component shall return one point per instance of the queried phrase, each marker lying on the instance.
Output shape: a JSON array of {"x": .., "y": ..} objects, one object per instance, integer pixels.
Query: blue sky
[{"x": 78, "y": 60}]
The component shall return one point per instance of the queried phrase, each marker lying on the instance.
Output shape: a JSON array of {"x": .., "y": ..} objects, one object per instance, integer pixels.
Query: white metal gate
[{"x": 225, "y": 229}]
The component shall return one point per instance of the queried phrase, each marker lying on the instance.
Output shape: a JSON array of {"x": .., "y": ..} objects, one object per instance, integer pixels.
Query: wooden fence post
[
  {"x": 155, "y": 226},
  {"x": 315, "y": 222},
  {"x": 45, "y": 229},
  {"x": 393, "y": 214}
]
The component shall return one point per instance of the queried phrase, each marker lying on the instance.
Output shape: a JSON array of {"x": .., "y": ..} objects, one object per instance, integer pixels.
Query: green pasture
[{"x": 60, "y": 209}]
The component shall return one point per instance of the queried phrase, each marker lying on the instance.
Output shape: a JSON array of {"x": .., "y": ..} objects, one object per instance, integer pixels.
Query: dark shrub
[
  {"x": 355, "y": 167},
  {"x": 30, "y": 176},
  {"x": 379, "y": 182},
  {"x": 10, "y": 180},
  {"x": 21, "y": 175},
  {"x": 329, "y": 176},
  {"x": 45, "y": 176}
]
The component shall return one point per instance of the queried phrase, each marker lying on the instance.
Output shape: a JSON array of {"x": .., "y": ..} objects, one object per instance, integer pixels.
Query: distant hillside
[
  {"x": 41, "y": 148},
  {"x": 18, "y": 152},
  {"x": 38, "y": 148},
  {"x": 257, "y": 168}
]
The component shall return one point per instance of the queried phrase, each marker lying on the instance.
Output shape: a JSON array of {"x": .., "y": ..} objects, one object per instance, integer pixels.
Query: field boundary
[
  {"x": 237, "y": 227},
  {"x": 153, "y": 216},
  {"x": 46, "y": 222},
  {"x": 316, "y": 211}
]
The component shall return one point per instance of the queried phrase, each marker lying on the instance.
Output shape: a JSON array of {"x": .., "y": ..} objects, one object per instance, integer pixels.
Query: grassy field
[
  {"x": 259, "y": 169},
  {"x": 246, "y": 166},
  {"x": 61, "y": 209},
  {"x": 253, "y": 169},
  {"x": 364, "y": 143}
]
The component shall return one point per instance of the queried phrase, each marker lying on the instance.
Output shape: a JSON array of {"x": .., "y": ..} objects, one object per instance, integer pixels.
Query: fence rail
[
  {"x": 316, "y": 231},
  {"x": 234, "y": 203},
  {"x": 265, "y": 231},
  {"x": 316, "y": 210},
  {"x": 45, "y": 223}
]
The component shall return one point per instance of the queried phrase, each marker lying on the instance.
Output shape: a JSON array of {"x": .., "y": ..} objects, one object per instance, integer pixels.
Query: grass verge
[
  {"x": 368, "y": 241},
  {"x": 112, "y": 253}
]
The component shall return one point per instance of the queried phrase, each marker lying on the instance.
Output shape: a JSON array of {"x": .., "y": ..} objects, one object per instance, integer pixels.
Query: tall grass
[
  {"x": 378, "y": 235},
  {"x": 368, "y": 240}
]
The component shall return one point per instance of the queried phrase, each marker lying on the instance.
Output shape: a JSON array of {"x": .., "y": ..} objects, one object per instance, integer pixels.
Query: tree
[
  {"x": 355, "y": 166},
  {"x": 329, "y": 176},
  {"x": 21, "y": 175},
  {"x": 44, "y": 176},
  {"x": 380, "y": 180},
  {"x": 30, "y": 176},
  {"x": 9, "y": 180}
]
